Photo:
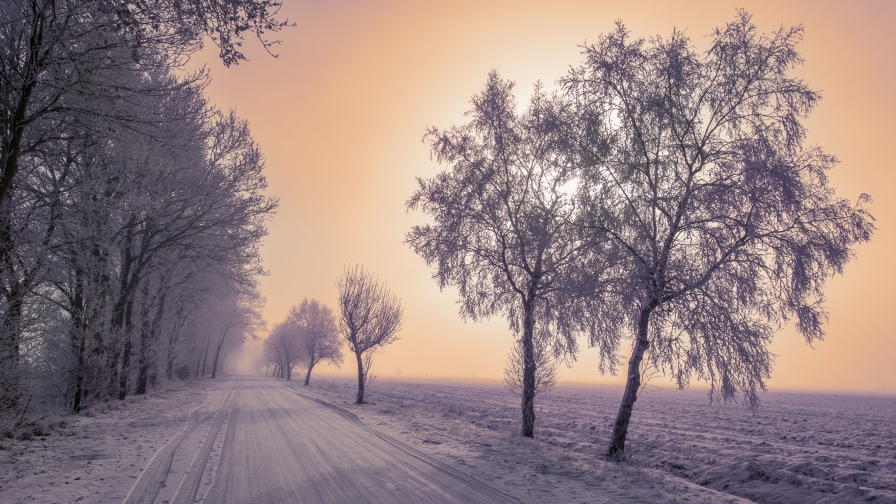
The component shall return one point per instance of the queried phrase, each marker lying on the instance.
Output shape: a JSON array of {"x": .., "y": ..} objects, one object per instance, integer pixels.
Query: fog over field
[{"x": 339, "y": 251}]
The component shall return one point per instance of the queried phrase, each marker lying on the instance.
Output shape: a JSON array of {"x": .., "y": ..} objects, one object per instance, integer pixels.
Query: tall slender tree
[
  {"x": 505, "y": 230},
  {"x": 370, "y": 316}
]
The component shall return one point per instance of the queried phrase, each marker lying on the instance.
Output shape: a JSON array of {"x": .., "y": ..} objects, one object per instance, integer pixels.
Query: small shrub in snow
[
  {"x": 182, "y": 373},
  {"x": 456, "y": 408}
]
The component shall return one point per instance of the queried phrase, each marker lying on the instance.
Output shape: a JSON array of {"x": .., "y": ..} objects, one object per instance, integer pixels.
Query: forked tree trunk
[
  {"x": 528, "y": 405},
  {"x": 308, "y": 374},
  {"x": 360, "y": 399},
  {"x": 632, "y": 384}
]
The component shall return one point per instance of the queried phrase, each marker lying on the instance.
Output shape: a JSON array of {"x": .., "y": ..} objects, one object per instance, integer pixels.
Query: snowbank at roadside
[
  {"x": 475, "y": 426},
  {"x": 97, "y": 455},
  {"x": 795, "y": 448}
]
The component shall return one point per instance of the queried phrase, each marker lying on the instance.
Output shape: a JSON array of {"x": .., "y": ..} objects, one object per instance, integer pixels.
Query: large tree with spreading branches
[{"x": 695, "y": 166}]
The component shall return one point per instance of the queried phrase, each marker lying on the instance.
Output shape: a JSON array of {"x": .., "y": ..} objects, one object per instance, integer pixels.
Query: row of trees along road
[
  {"x": 370, "y": 316},
  {"x": 131, "y": 211},
  {"x": 661, "y": 195},
  {"x": 306, "y": 338}
]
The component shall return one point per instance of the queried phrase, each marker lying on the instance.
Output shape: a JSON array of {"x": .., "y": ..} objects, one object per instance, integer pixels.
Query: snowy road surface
[{"x": 267, "y": 443}]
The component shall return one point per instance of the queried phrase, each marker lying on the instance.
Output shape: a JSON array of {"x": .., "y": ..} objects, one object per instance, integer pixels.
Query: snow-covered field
[
  {"x": 795, "y": 448},
  {"x": 97, "y": 456}
]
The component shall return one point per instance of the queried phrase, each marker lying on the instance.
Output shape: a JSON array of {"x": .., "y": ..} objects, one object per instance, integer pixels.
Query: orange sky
[{"x": 341, "y": 112}]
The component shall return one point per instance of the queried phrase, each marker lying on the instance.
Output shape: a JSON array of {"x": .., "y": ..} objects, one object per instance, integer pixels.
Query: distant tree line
[
  {"x": 131, "y": 210},
  {"x": 660, "y": 196},
  {"x": 370, "y": 316},
  {"x": 306, "y": 338}
]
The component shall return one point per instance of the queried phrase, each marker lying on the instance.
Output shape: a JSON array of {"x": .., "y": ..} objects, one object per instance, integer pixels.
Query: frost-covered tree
[
  {"x": 318, "y": 334},
  {"x": 111, "y": 227},
  {"x": 59, "y": 61},
  {"x": 286, "y": 346},
  {"x": 272, "y": 355},
  {"x": 55, "y": 49},
  {"x": 546, "y": 368},
  {"x": 694, "y": 166},
  {"x": 370, "y": 316},
  {"x": 504, "y": 228}
]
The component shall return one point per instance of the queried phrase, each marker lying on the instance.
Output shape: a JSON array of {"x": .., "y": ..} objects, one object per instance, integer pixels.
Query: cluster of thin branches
[{"x": 370, "y": 316}]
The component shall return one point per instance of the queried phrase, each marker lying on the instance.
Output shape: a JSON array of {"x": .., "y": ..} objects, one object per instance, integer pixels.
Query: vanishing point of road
[{"x": 270, "y": 444}]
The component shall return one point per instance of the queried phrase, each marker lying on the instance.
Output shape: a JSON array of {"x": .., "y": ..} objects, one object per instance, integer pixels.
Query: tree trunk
[
  {"x": 125, "y": 368},
  {"x": 10, "y": 320},
  {"x": 308, "y": 374},
  {"x": 215, "y": 363},
  {"x": 126, "y": 355},
  {"x": 145, "y": 330},
  {"x": 10, "y": 350},
  {"x": 360, "y": 399},
  {"x": 528, "y": 405},
  {"x": 34, "y": 64},
  {"x": 147, "y": 338},
  {"x": 79, "y": 338},
  {"x": 218, "y": 353},
  {"x": 208, "y": 342},
  {"x": 179, "y": 321},
  {"x": 121, "y": 317},
  {"x": 632, "y": 384},
  {"x": 169, "y": 365},
  {"x": 102, "y": 341},
  {"x": 79, "y": 375},
  {"x": 198, "y": 362}
]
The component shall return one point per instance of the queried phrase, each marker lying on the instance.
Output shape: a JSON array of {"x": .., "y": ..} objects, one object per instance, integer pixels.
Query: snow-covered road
[{"x": 268, "y": 443}]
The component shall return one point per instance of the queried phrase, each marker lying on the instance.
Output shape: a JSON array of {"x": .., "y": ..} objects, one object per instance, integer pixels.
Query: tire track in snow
[
  {"x": 485, "y": 491},
  {"x": 280, "y": 449},
  {"x": 189, "y": 486},
  {"x": 152, "y": 479}
]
